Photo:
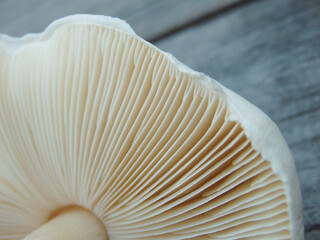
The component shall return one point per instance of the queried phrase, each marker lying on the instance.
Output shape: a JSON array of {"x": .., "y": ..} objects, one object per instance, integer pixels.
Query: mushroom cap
[{"x": 94, "y": 116}]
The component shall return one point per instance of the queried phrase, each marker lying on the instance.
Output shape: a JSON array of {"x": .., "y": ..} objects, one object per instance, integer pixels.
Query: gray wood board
[
  {"x": 269, "y": 52},
  {"x": 150, "y": 19}
]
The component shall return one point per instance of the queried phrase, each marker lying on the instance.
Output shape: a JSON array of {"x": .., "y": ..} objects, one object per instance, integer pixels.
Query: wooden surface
[{"x": 268, "y": 51}]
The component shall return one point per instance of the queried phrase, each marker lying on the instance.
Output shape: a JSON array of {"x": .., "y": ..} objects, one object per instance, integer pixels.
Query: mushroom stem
[{"x": 72, "y": 223}]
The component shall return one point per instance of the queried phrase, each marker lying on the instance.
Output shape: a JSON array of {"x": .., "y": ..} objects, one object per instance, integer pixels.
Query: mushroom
[{"x": 104, "y": 136}]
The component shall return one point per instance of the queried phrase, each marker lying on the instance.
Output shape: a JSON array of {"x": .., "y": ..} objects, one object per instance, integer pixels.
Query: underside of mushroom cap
[{"x": 92, "y": 115}]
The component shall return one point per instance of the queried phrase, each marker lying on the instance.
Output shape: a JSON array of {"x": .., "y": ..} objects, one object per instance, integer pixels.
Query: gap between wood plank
[{"x": 206, "y": 17}]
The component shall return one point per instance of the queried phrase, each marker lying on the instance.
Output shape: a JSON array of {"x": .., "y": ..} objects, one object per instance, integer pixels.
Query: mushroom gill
[{"x": 94, "y": 118}]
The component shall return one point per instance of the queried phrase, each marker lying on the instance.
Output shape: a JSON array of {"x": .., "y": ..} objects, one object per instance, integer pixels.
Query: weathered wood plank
[
  {"x": 149, "y": 19},
  {"x": 269, "y": 52}
]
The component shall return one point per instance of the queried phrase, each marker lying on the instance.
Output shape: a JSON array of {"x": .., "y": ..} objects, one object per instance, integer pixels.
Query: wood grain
[
  {"x": 269, "y": 52},
  {"x": 150, "y": 19}
]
